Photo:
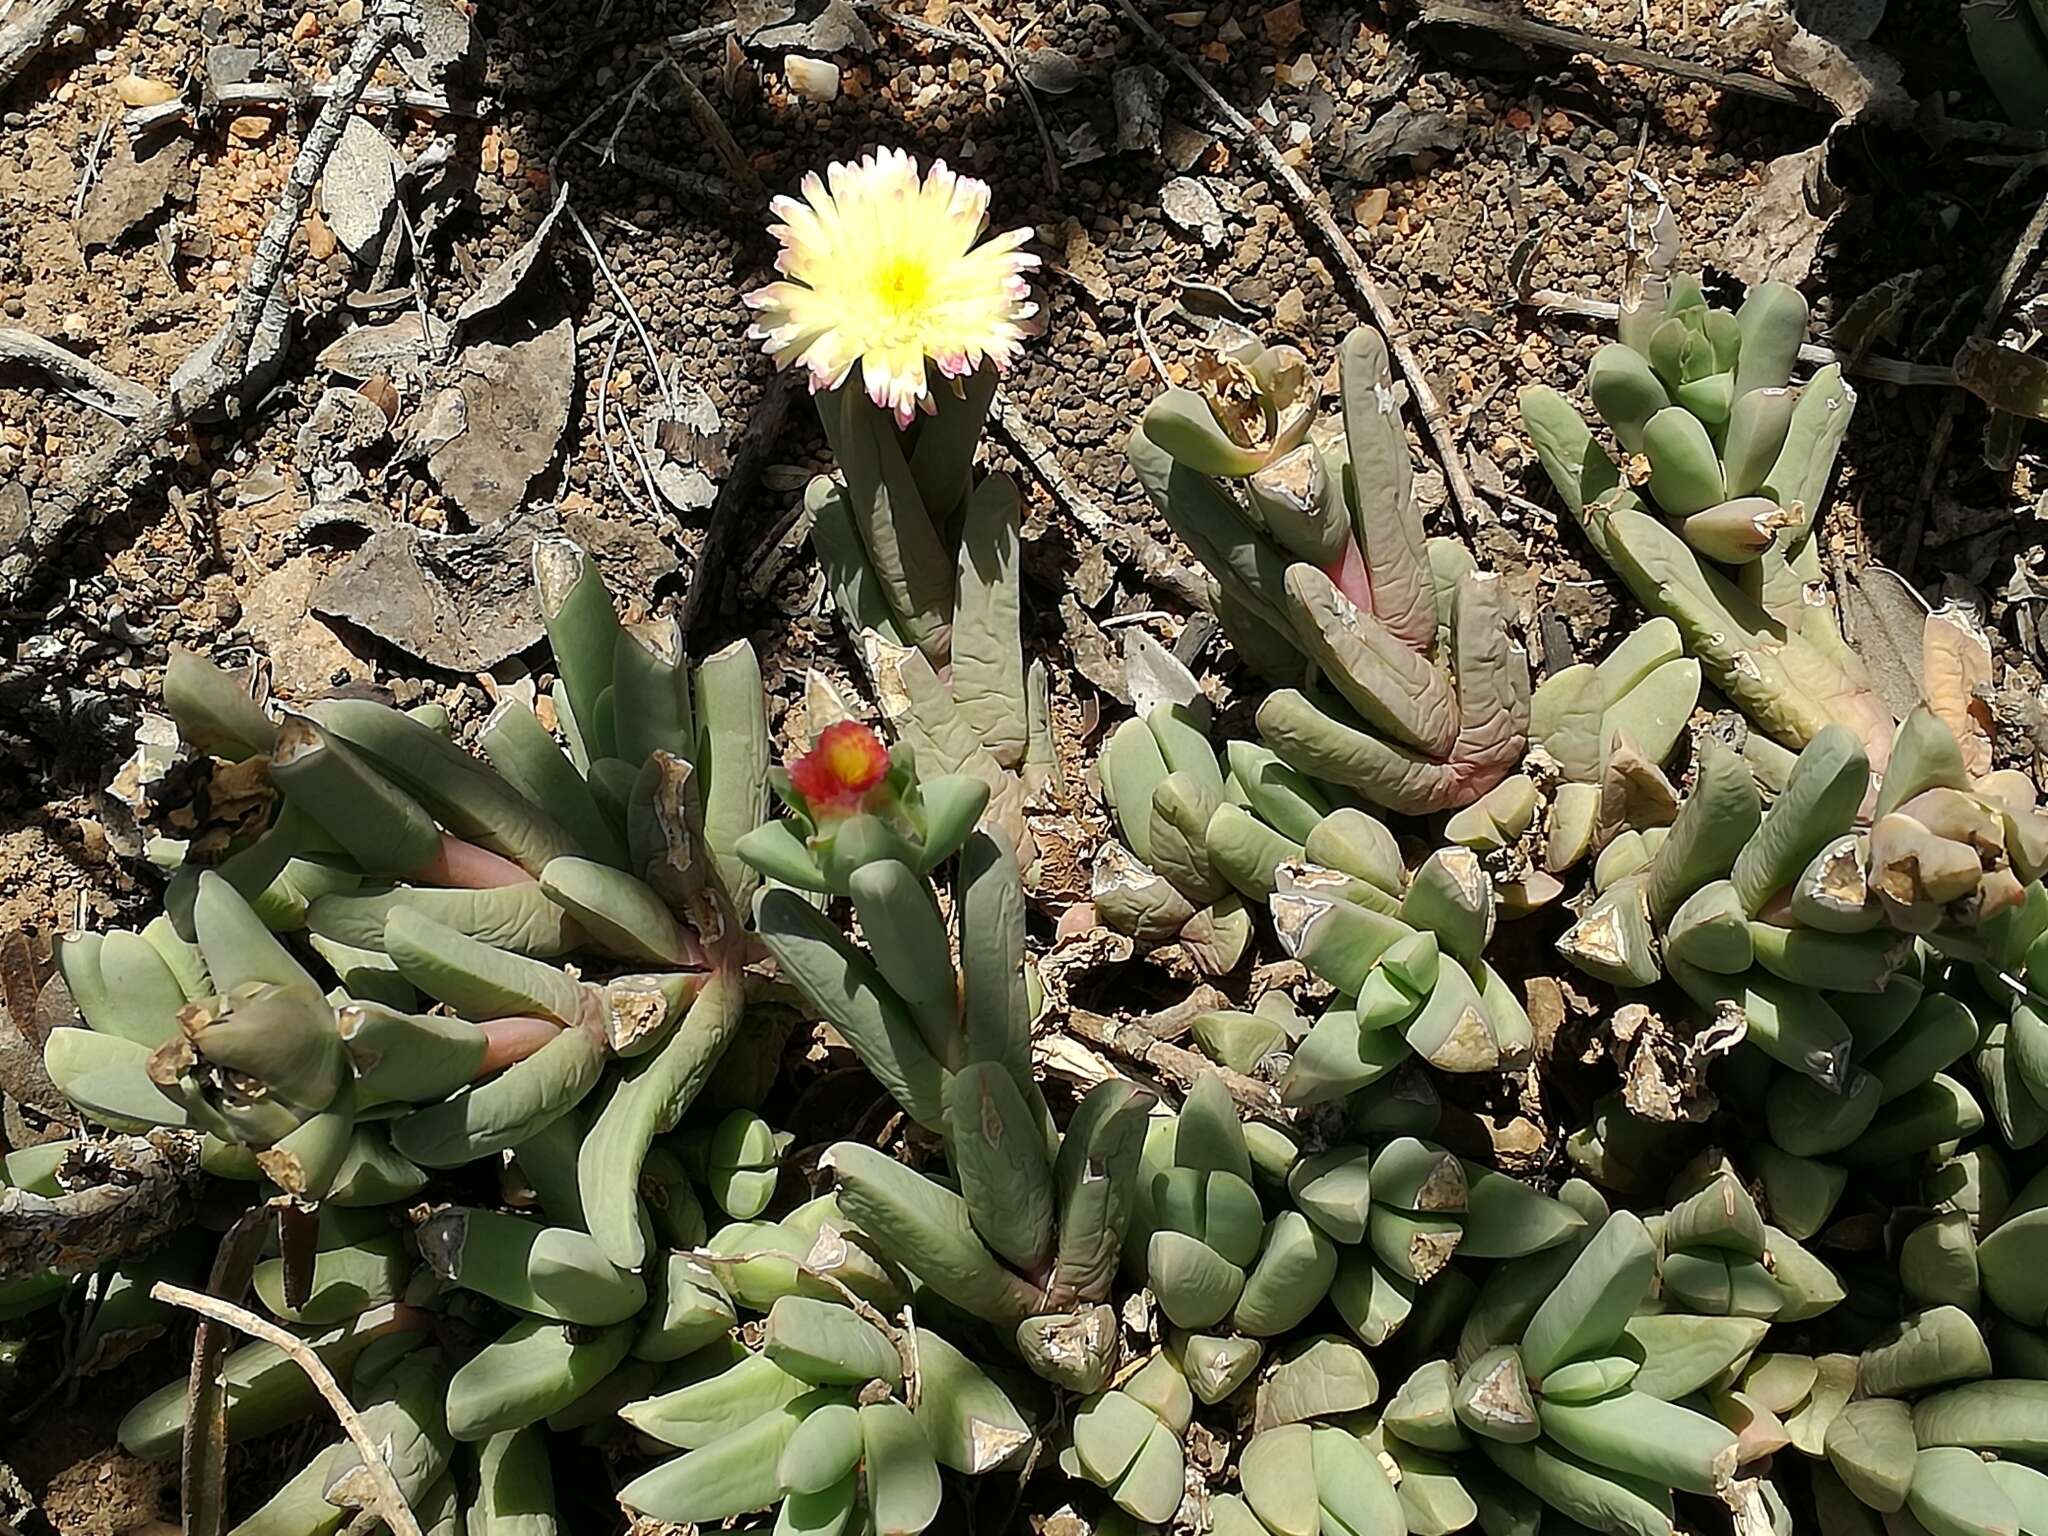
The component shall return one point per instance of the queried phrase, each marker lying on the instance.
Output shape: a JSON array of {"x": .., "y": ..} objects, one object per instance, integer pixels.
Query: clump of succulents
[
  {"x": 1202, "y": 834},
  {"x": 1394, "y": 673},
  {"x": 1709, "y": 514},
  {"x": 1830, "y": 933},
  {"x": 489, "y": 1037}
]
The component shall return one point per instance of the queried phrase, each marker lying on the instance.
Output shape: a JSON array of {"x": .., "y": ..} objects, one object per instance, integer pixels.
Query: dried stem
[
  {"x": 1521, "y": 29},
  {"x": 1156, "y": 563},
  {"x": 54, "y": 522},
  {"x": 1319, "y": 222},
  {"x": 1180, "y": 1066},
  {"x": 390, "y": 1500}
]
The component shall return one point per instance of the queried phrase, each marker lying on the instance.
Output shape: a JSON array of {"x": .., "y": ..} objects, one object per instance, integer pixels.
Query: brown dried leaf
[
  {"x": 2004, "y": 378},
  {"x": 1956, "y": 675}
]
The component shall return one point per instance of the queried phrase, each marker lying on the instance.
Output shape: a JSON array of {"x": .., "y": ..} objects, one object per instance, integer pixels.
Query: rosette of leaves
[
  {"x": 1027, "y": 1237},
  {"x": 1950, "y": 1400},
  {"x": 1405, "y": 954},
  {"x": 1711, "y": 522},
  {"x": 1241, "y": 1237},
  {"x": 920, "y": 552},
  {"x": 1586, "y": 1382},
  {"x": 421, "y": 876},
  {"x": 1833, "y": 935},
  {"x": 838, "y": 1414},
  {"x": 1201, "y": 835},
  {"x": 1394, "y": 673},
  {"x": 1599, "y": 737}
]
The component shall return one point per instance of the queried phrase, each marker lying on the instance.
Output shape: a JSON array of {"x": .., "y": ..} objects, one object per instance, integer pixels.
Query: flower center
[
  {"x": 851, "y": 760},
  {"x": 903, "y": 287}
]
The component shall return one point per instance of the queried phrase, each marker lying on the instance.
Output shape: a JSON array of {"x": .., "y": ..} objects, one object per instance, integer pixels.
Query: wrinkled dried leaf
[
  {"x": 1136, "y": 93},
  {"x": 359, "y": 189},
  {"x": 1156, "y": 676},
  {"x": 444, "y": 42},
  {"x": 2003, "y": 378},
  {"x": 1094, "y": 657},
  {"x": 464, "y": 601},
  {"x": 504, "y": 280},
  {"x": 834, "y": 28},
  {"x": 1781, "y": 229},
  {"x": 1191, "y": 206},
  {"x": 1396, "y": 134},
  {"x": 1824, "y": 53},
  {"x": 1875, "y": 315},
  {"x": 130, "y": 192},
  {"x": 397, "y": 346},
  {"x": 515, "y": 406}
]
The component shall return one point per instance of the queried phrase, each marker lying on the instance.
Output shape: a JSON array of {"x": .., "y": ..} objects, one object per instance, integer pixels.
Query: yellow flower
[{"x": 880, "y": 269}]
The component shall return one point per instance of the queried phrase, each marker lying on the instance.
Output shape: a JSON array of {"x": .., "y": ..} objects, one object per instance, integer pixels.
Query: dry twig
[
  {"x": 84, "y": 380},
  {"x": 131, "y": 1193},
  {"x": 1318, "y": 220},
  {"x": 1178, "y": 1065},
  {"x": 1521, "y": 29},
  {"x": 55, "y": 521},
  {"x": 390, "y": 1500}
]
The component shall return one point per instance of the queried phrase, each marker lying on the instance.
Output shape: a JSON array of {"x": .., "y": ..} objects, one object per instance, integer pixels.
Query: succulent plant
[
  {"x": 1201, "y": 836},
  {"x": 1954, "y": 1382},
  {"x": 837, "y": 1412},
  {"x": 490, "y": 1040},
  {"x": 1365, "y": 1227},
  {"x": 1393, "y": 669},
  {"x": 1735, "y": 463},
  {"x": 921, "y": 555},
  {"x": 1824, "y": 946},
  {"x": 1405, "y": 954}
]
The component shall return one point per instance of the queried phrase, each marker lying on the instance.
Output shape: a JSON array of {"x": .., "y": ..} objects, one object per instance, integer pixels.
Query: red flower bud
[{"x": 836, "y": 776}]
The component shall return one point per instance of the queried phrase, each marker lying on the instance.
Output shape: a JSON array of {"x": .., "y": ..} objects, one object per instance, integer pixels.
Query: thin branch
[
  {"x": 85, "y": 380},
  {"x": 1522, "y": 29},
  {"x": 1180, "y": 1066},
  {"x": 1886, "y": 370},
  {"x": 55, "y": 521},
  {"x": 712, "y": 126},
  {"x": 1155, "y": 563},
  {"x": 742, "y": 479},
  {"x": 142, "y": 121},
  {"x": 390, "y": 1500},
  {"x": 1318, "y": 221}
]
